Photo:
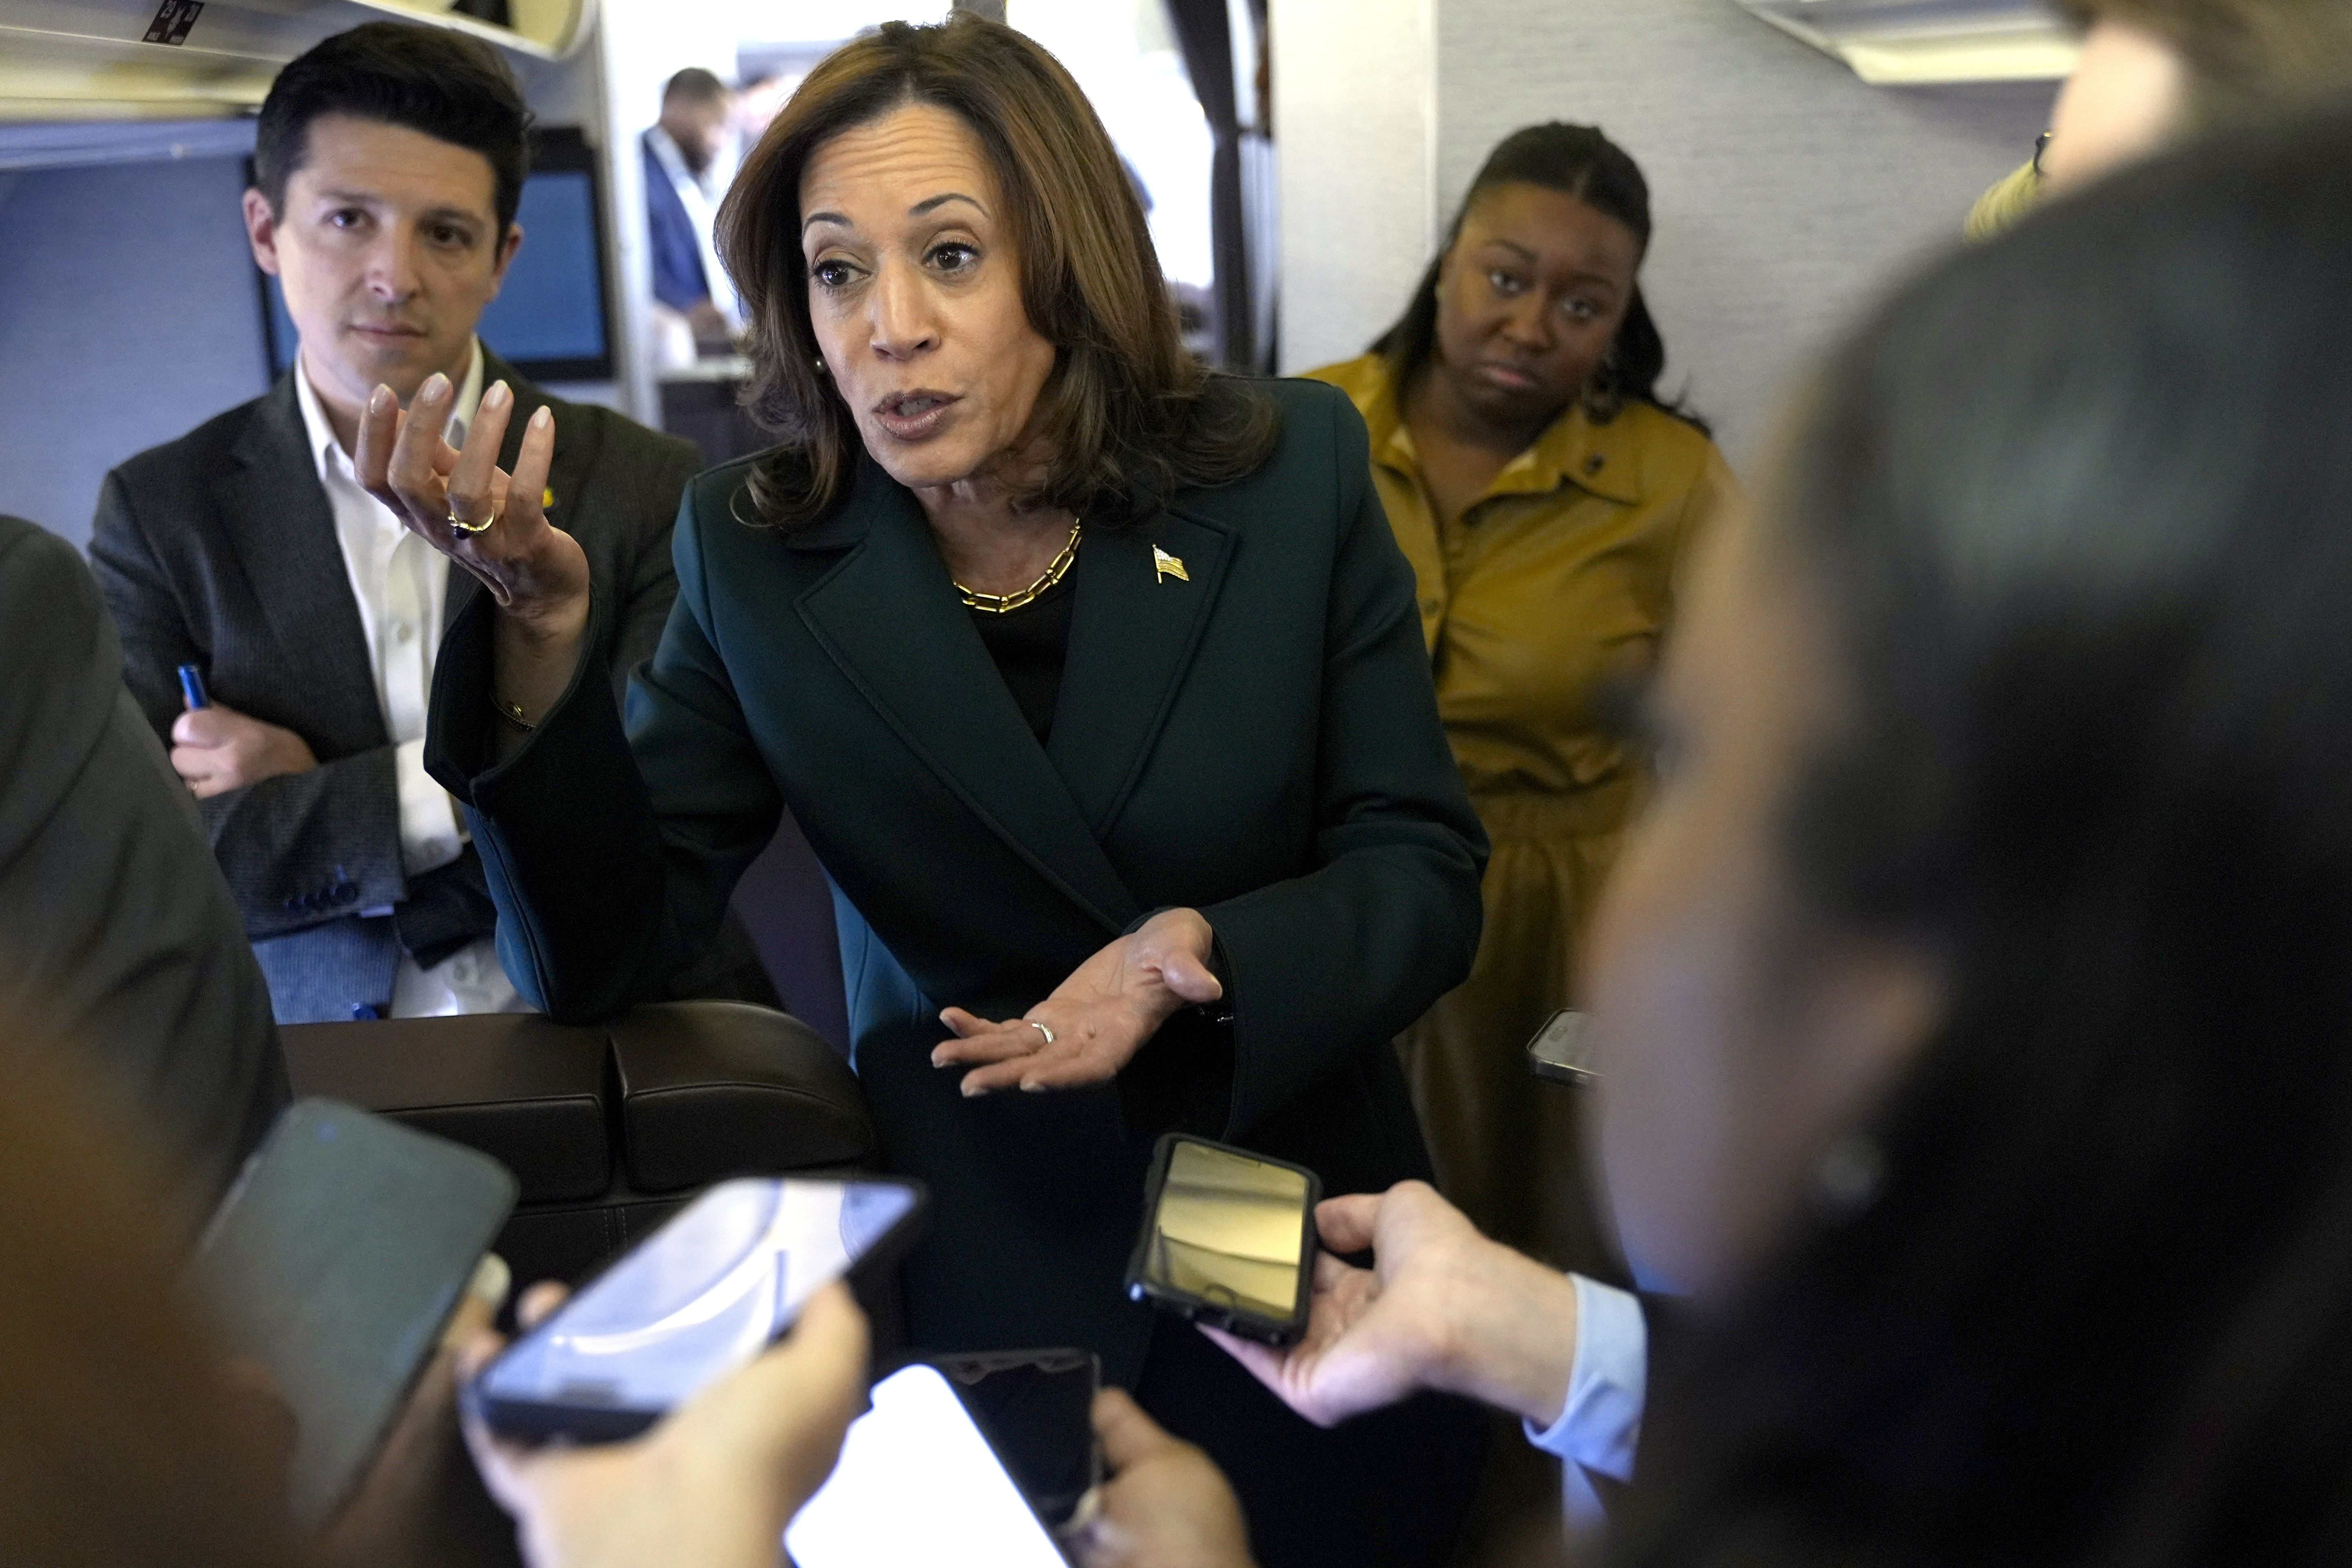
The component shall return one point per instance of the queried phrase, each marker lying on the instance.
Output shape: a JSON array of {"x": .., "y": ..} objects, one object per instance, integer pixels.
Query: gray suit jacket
[
  {"x": 219, "y": 550},
  {"x": 113, "y": 919}
]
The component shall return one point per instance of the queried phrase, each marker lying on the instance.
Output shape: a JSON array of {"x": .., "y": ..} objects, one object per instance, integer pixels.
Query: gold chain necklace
[{"x": 1001, "y": 604}]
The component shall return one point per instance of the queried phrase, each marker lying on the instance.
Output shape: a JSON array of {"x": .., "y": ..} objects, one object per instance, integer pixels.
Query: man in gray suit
[
  {"x": 114, "y": 926},
  {"x": 389, "y": 161}
]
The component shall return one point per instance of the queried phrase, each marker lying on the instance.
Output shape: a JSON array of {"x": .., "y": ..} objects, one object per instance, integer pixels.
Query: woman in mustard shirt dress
[{"x": 1546, "y": 498}]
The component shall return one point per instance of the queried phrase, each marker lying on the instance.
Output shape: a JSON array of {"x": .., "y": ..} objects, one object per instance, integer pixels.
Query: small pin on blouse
[{"x": 1165, "y": 567}]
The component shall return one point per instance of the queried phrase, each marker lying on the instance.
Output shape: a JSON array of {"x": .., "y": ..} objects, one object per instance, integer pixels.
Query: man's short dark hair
[
  {"x": 450, "y": 87},
  {"x": 693, "y": 85}
]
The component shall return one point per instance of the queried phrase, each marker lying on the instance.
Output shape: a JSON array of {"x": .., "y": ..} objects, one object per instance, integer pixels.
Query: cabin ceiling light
[{"x": 1920, "y": 43}]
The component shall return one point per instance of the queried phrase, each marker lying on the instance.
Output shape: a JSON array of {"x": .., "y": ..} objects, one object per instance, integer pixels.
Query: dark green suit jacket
[{"x": 1260, "y": 742}]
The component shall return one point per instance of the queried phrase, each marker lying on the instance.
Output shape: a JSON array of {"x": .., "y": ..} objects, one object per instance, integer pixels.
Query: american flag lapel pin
[{"x": 1165, "y": 567}]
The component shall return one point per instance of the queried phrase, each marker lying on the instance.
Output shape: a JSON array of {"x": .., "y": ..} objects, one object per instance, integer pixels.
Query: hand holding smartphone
[
  {"x": 1036, "y": 1409},
  {"x": 699, "y": 1298},
  {"x": 919, "y": 1485},
  {"x": 1561, "y": 1051},
  {"x": 1228, "y": 1240}
]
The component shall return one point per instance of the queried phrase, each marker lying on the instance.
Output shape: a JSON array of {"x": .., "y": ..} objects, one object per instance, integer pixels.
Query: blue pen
[{"x": 192, "y": 686}]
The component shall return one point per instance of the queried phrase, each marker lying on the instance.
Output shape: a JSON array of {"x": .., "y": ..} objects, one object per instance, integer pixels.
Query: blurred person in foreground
[
  {"x": 127, "y": 1441},
  {"x": 111, "y": 909},
  {"x": 2154, "y": 72},
  {"x": 130, "y": 1440},
  {"x": 1095, "y": 681},
  {"x": 1971, "y": 996},
  {"x": 1546, "y": 494}
]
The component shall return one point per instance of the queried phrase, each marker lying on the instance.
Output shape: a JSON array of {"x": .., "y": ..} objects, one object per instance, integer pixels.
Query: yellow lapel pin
[{"x": 1165, "y": 567}]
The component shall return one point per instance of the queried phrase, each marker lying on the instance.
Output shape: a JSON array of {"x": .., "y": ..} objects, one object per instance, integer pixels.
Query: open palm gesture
[{"x": 1095, "y": 1021}]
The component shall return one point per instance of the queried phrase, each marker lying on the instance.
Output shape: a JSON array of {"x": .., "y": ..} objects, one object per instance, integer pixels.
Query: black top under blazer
[{"x": 1260, "y": 742}]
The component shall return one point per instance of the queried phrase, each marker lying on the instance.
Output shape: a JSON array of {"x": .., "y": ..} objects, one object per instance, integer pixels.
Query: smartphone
[
  {"x": 723, "y": 1277},
  {"x": 918, "y": 1485},
  {"x": 1228, "y": 1240},
  {"x": 1562, "y": 1051},
  {"x": 334, "y": 1261},
  {"x": 1037, "y": 1408}
]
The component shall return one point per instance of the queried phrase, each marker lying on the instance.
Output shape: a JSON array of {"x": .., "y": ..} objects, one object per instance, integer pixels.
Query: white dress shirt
[
  {"x": 1608, "y": 1385},
  {"x": 400, "y": 584},
  {"x": 702, "y": 203}
]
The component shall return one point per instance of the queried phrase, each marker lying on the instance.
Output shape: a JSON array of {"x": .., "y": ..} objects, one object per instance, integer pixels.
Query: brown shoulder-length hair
[{"x": 1126, "y": 415}]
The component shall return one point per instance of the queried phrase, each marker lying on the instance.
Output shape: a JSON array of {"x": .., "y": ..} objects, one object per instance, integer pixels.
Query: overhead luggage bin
[
  {"x": 192, "y": 59},
  {"x": 1925, "y": 43}
]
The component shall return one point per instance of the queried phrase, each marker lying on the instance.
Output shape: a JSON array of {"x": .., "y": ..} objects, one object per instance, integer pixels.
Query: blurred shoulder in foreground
[{"x": 113, "y": 912}]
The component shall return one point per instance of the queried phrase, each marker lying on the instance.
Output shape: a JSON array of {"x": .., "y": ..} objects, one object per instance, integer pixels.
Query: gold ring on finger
[
  {"x": 1041, "y": 1029},
  {"x": 462, "y": 526}
]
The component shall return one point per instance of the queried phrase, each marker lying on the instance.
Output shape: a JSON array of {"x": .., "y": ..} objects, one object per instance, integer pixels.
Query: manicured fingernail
[
  {"x": 541, "y": 418},
  {"x": 381, "y": 399},
  {"x": 435, "y": 386},
  {"x": 498, "y": 396},
  {"x": 1031, "y": 1085},
  {"x": 973, "y": 1090},
  {"x": 939, "y": 1060}
]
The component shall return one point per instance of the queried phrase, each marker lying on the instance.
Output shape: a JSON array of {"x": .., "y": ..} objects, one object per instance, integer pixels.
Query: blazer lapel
[
  {"x": 889, "y": 619},
  {"x": 1132, "y": 632},
  {"x": 275, "y": 511}
]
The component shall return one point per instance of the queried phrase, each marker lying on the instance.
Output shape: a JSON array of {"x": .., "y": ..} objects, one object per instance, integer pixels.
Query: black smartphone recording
[
  {"x": 1228, "y": 1240},
  {"x": 334, "y": 1262},
  {"x": 1037, "y": 1408}
]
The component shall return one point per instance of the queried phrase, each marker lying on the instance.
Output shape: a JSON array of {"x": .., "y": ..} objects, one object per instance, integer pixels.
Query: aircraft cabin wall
[{"x": 1786, "y": 191}]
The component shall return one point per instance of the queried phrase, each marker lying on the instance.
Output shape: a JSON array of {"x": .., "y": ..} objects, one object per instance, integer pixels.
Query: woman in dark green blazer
[{"x": 1095, "y": 682}]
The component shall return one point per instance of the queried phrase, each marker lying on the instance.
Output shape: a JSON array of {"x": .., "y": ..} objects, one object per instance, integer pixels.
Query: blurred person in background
[
  {"x": 2158, "y": 71},
  {"x": 1095, "y": 681},
  {"x": 757, "y": 103},
  {"x": 1970, "y": 996},
  {"x": 684, "y": 181},
  {"x": 1547, "y": 497}
]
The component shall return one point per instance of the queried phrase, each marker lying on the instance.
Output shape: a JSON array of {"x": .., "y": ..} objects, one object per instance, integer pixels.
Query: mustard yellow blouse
[{"x": 1560, "y": 575}]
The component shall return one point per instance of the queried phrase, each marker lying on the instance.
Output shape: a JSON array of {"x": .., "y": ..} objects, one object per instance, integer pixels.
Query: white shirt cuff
[
  {"x": 1608, "y": 1383},
  {"x": 429, "y": 821}
]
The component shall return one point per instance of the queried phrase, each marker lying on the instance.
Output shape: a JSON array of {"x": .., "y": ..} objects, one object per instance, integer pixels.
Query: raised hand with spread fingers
[{"x": 490, "y": 521}]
